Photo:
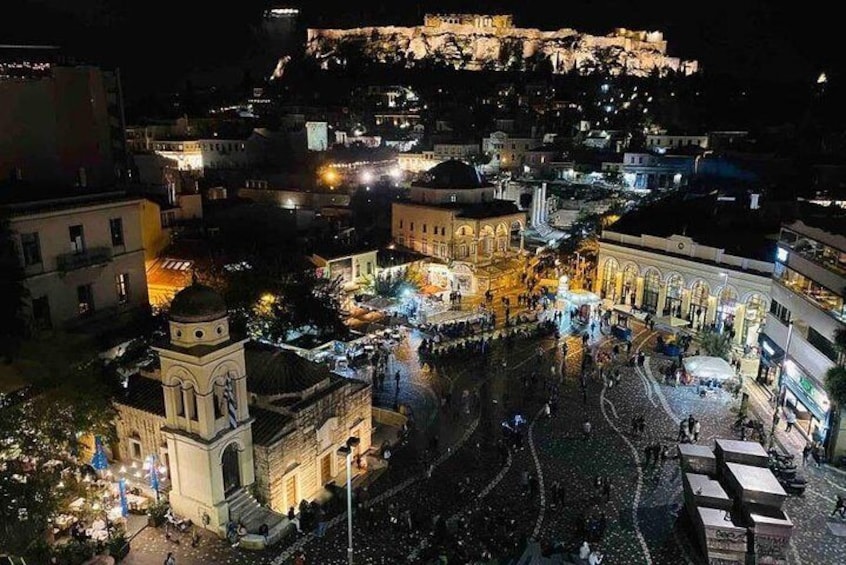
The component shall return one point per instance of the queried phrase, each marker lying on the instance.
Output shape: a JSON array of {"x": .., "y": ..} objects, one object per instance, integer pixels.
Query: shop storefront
[
  {"x": 806, "y": 397},
  {"x": 768, "y": 369}
]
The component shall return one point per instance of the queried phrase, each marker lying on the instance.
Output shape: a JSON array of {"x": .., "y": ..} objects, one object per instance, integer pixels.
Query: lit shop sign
[{"x": 781, "y": 254}]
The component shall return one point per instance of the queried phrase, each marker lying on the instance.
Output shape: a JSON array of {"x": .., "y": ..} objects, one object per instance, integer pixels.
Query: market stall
[{"x": 706, "y": 369}]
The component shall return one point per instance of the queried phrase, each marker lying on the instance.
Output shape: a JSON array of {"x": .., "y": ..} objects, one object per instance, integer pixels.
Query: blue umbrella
[
  {"x": 99, "y": 461},
  {"x": 154, "y": 476},
  {"x": 124, "y": 507}
]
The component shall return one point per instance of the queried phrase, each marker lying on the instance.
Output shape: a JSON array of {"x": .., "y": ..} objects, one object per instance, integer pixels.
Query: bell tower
[{"x": 208, "y": 425}]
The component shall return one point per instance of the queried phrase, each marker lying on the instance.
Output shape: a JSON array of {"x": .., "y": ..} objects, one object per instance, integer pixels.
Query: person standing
[
  {"x": 171, "y": 560},
  {"x": 697, "y": 427},
  {"x": 397, "y": 378},
  {"x": 806, "y": 453},
  {"x": 586, "y": 427},
  {"x": 790, "y": 419}
]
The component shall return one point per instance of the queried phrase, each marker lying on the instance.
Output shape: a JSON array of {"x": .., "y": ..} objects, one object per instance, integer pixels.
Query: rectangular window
[
  {"x": 135, "y": 449},
  {"x": 400, "y": 224},
  {"x": 116, "y": 229},
  {"x": 122, "y": 287},
  {"x": 41, "y": 313},
  {"x": 85, "y": 299},
  {"x": 369, "y": 268},
  {"x": 779, "y": 311},
  {"x": 424, "y": 228},
  {"x": 31, "y": 247},
  {"x": 823, "y": 344},
  {"x": 412, "y": 226},
  {"x": 77, "y": 239}
]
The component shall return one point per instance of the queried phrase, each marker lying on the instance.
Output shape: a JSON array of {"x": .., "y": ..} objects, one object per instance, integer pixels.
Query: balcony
[
  {"x": 801, "y": 350},
  {"x": 91, "y": 257}
]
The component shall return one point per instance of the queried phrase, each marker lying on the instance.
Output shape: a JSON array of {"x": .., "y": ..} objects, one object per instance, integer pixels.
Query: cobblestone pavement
[{"x": 479, "y": 490}]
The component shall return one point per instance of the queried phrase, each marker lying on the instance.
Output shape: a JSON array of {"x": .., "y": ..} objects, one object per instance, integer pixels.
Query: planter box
[
  {"x": 703, "y": 491},
  {"x": 743, "y": 452},
  {"x": 697, "y": 459},
  {"x": 722, "y": 540},
  {"x": 754, "y": 485}
]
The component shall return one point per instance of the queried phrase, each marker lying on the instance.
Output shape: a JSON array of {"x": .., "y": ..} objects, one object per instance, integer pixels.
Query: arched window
[
  {"x": 609, "y": 278},
  {"x": 672, "y": 304},
  {"x": 698, "y": 311},
  {"x": 219, "y": 399},
  {"x": 651, "y": 288},
  {"x": 629, "y": 283},
  {"x": 191, "y": 402},
  {"x": 179, "y": 401}
]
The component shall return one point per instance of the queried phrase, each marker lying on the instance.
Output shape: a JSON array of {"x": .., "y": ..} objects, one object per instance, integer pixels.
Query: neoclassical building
[
  {"x": 223, "y": 415},
  {"x": 679, "y": 277},
  {"x": 452, "y": 215}
]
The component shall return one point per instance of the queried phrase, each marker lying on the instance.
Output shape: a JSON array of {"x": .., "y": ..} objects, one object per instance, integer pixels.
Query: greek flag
[{"x": 229, "y": 394}]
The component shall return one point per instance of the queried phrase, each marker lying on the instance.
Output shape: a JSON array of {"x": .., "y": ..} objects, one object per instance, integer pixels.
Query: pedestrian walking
[
  {"x": 839, "y": 507},
  {"x": 790, "y": 418},
  {"x": 397, "y": 378},
  {"x": 697, "y": 427},
  {"x": 171, "y": 560},
  {"x": 547, "y": 410},
  {"x": 806, "y": 453},
  {"x": 586, "y": 427}
]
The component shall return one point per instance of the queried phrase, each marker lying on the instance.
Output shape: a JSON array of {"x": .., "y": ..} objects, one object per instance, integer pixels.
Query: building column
[
  {"x": 638, "y": 292},
  {"x": 618, "y": 288},
  {"x": 662, "y": 299},
  {"x": 685, "y": 303},
  {"x": 739, "y": 323},
  {"x": 600, "y": 271},
  {"x": 711, "y": 315},
  {"x": 543, "y": 204}
]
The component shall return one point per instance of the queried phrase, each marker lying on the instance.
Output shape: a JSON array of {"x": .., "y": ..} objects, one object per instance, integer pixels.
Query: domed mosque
[
  {"x": 452, "y": 214},
  {"x": 222, "y": 417}
]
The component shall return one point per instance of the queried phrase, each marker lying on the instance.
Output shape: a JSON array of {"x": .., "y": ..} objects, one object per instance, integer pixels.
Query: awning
[
  {"x": 771, "y": 353},
  {"x": 703, "y": 367}
]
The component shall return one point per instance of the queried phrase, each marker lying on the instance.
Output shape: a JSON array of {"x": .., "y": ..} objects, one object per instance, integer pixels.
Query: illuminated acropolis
[{"x": 492, "y": 42}]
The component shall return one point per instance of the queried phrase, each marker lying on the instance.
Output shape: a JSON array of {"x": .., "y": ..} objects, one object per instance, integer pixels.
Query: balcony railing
[{"x": 90, "y": 257}]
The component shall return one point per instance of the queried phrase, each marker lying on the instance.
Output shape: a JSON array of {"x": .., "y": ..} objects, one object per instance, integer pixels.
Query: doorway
[
  {"x": 231, "y": 469},
  {"x": 326, "y": 469}
]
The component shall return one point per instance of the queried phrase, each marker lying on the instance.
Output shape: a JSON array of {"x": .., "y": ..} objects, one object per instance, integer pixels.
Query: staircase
[{"x": 245, "y": 509}]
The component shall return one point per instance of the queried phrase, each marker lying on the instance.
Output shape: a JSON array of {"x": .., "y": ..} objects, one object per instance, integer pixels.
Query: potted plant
[
  {"x": 156, "y": 513},
  {"x": 118, "y": 544}
]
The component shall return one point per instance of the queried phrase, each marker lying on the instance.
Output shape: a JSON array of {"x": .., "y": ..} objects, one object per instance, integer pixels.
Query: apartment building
[
  {"x": 83, "y": 256},
  {"x": 807, "y": 308}
]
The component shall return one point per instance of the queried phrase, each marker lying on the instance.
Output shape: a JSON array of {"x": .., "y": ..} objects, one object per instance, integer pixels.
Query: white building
[
  {"x": 665, "y": 141},
  {"x": 83, "y": 257},
  {"x": 506, "y": 152},
  {"x": 651, "y": 171},
  {"x": 680, "y": 278},
  {"x": 798, "y": 343}
]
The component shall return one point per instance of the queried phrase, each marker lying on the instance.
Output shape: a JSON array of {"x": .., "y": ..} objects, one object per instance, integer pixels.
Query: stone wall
[
  {"x": 297, "y": 455},
  {"x": 143, "y": 426}
]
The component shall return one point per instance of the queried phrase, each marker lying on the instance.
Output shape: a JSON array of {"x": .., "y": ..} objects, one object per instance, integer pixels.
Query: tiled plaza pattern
[{"x": 479, "y": 490}]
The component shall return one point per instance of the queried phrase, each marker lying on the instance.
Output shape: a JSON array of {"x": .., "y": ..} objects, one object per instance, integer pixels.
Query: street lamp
[
  {"x": 781, "y": 379},
  {"x": 722, "y": 301},
  {"x": 347, "y": 451}
]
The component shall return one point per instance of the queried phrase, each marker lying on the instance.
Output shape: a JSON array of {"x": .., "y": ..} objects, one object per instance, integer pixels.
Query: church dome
[
  {"x": 452, "y": 175},
  {"x": 197, "y": 303}
]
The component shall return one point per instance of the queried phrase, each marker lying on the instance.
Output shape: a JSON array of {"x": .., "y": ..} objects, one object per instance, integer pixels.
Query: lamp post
[
  {"x": 346, "y": 451},
  {"x": 781, "y": 378}
]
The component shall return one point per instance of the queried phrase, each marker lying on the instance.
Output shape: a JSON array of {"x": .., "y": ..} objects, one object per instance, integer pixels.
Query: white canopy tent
[{"x": 708, "y": 368}]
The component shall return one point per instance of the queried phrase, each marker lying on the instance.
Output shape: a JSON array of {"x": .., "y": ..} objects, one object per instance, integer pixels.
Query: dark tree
[{"x": 13, "y": 293}]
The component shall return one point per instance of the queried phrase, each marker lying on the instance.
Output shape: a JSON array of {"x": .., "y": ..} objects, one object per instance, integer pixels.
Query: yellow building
[
  {"x": 222, "y": 417},
  {"x": 452, "y": 215}
]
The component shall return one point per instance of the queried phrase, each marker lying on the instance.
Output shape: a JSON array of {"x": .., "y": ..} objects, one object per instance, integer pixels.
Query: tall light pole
[
  {"x": 720, "y": 302},
  {"x": 347, "y": 450},
  {"x": 780, "y": 379}
]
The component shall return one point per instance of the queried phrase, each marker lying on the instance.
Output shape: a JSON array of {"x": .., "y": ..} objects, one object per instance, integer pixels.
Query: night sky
[{"x": 160, "y": 39}]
